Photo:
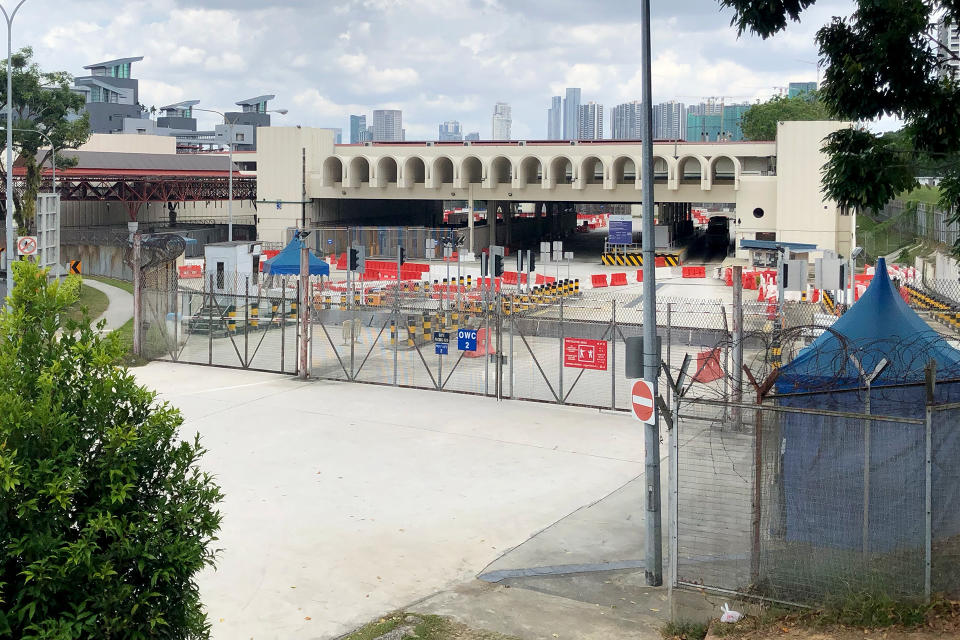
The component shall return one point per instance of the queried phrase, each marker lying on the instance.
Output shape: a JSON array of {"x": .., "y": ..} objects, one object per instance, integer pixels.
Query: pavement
[
  {"x": 345, "y": 501},
  {"x": 120, "y": 307}
]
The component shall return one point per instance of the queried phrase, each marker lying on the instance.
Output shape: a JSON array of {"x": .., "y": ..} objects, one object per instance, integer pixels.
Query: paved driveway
[{"x": 344, "y": 501}]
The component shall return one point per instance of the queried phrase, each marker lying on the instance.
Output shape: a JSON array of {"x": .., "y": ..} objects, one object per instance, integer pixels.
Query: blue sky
[{"x": 434, "y": 59}]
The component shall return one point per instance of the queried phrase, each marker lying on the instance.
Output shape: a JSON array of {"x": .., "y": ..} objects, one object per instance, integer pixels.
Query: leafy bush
[{"x": 105, "y": 517}]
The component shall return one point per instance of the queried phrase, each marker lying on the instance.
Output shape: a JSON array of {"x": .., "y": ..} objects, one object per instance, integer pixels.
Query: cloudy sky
[{"x": 434, "y": 59}]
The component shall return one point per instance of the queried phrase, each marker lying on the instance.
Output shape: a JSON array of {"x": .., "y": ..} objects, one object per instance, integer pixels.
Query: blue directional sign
[
  {"x": 441, "y": 348},
  {"x": 620, "y": 229},
  {"x": 467, "y": 339}
]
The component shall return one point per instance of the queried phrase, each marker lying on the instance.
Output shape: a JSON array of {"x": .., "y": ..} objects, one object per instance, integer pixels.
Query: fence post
[
  {"x": 737, "y": 366},
  {"x": 210, "y": 324},
  {"x": 283, "y": 323},
  {"x": 931, "y": 372},
  {"x": 613, "y": 356},
  {"x": 246, "y": 323},
  {"x": 560, "y": 386},
  {"x": 302, "y": 306},
  {"x": 137, "y": 297},
  {"x": 757, "y": 492},
  {"x": 512, "y": 331}
]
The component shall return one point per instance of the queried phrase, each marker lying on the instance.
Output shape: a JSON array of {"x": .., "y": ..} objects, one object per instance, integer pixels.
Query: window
[
  {"x": 240, "y": 137},
  {"x": 219, "y": 275},
  {"x": 758, "y": 213}
]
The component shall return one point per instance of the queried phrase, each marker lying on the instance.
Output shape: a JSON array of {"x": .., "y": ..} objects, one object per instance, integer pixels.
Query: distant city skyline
[{"x": 501, "y": 122}]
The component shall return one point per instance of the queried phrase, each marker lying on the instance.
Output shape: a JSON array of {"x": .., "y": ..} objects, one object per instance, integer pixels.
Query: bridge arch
[
  {"x": 332, "y": 171},
  {"x": 387, "y": 171},
  {"x": 561, "y": 170},
  {"x": 358, "y": 171},
  {"x": 686, "y": 174},
  {"x": 414, "y": 172},
  {"x": 725, "y": 169},
  {"x": 500, "y": 171},
  {"x": 530, "y": 171},
  {"x": 471, "y": 171},
  {"x": 624, "y": 170},
  {"x": 592, "y": 170},
  {"x": 442, "y": 171},
  {"x": 663, "y": 169}
]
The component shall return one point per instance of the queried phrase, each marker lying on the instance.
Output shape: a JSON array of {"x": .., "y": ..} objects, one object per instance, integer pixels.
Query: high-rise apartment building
[
  {"x": 719, "y": 124},
  {"x": 571, "y": 114},
  {"x": 669, "y": 121},
  {"x": 801, "y": 88},
  {"x": 949, "y": 38},
  {"x": 358, "y": 129},
  {"x": 387, "y": 125},
  {"x": 555, "y": 119},
  {"x": 501, "y": 121},
  {"x": 625, "y": 121},
  {"x": 591, "y": 121},
  {"x": 472, "y": 136},
  {"x": 450, "y": 131}
]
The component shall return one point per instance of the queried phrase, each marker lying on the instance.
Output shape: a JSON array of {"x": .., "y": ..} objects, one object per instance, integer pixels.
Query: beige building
[{"x": 774, "y": 187}]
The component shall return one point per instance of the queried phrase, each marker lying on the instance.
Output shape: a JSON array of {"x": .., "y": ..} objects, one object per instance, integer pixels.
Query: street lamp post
[
  {"x": 9, "y": 252},
  {"x": 53, "y": 155},
  {"x": 230, "y": 155}
]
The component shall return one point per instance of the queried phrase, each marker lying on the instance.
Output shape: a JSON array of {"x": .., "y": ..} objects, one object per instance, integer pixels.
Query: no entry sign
[
  {"x": 27, "y": 245},
  {"x": 580, "y": 353},
  {"x": 642, "y": 401}
]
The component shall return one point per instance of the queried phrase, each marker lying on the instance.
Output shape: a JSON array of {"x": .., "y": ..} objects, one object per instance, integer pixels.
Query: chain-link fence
[{"x": 800, "y": 500}]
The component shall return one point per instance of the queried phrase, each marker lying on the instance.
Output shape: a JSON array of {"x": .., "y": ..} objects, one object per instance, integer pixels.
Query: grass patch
[
  {"x": 120, "y": 284},
  {"x": 927, "y": 195},
  {"x": 425, "y": 627},
  {"x": 684, "y": 630},
  {"x": 94, "y": 300}
]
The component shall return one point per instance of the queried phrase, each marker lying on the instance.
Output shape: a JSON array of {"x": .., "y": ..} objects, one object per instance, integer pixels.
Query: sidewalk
[{"x": 120, "y": 307}]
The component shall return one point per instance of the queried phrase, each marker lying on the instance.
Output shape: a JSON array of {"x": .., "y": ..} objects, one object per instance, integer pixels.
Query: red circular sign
[
  {"x": 27, "y": 245},
  {"x": 642, "y": 401}
]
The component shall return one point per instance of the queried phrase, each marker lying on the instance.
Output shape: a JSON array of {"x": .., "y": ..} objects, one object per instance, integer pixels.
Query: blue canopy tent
[
  {"x": 823, "y": 457},
  {"x": 287, "y": 262}
]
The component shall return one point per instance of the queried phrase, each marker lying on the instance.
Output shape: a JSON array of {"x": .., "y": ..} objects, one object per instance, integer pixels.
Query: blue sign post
[
  {"x": 467, "y": 339},
  {"x": 441, "y": 348},
  {"x": 620, "y": 230}
]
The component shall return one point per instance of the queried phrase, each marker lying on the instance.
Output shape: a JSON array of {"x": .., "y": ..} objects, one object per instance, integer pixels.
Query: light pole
[
  {"x": 282, "y": 112},
  {"x": 53, "y": 155},
  {"x": 9, "y": 252}
]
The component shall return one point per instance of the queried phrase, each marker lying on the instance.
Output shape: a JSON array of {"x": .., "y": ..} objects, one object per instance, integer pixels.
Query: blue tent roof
[
  {"x": 287, "y": 262},
  {"x": 879, "y": 325}
]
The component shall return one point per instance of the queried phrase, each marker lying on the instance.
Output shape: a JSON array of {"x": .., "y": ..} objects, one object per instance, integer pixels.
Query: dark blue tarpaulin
[
  {"x": 823, "y": 457},
  {"x": 287, "y": 262}
]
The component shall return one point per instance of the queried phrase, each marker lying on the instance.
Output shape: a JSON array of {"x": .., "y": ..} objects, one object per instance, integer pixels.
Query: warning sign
[{"x": 581, "y": 353}]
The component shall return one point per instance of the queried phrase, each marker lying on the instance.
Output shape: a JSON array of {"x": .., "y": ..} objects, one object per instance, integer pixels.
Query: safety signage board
[
  {"x": 641, "y": 397},
  {"x": 441, "y": 337},
  {"x": 467, "y": 339},
  {"x": 620, "y": 229},
  {"x": 27, "y": 245},
  {"x": 74, "y": 267},
  {"x": 441, "y": 348},
  {"x": 581, "y": 353}
]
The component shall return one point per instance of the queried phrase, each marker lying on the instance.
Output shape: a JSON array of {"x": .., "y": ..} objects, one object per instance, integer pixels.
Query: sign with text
[
  {"x": 581, "y": 353},
  {"x": 620, "y": 230},
  {"x": 441, "y": 348},
  {"x": 467, "y": 339}
]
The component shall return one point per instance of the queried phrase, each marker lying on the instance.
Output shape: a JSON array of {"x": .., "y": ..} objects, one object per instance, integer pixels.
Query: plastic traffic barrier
[
  {"x": 618, "y": 279},
  {"x": 598, "y": 280}
]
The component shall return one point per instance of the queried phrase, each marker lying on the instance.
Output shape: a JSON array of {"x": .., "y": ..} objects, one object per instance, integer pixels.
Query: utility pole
[
  {"x": 303, "y": 309},
  {"x": 653, "y": 558}
]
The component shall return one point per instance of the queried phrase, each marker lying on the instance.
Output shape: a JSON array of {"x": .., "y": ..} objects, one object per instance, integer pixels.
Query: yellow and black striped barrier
[
  {"x": 616, "y": 259},
  {"x": 254, "y": 315},
  {"x": 943, "y": 312}
]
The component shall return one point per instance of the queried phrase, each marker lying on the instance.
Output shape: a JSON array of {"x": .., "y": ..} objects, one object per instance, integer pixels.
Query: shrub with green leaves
[{"x": 105, "y": 516}]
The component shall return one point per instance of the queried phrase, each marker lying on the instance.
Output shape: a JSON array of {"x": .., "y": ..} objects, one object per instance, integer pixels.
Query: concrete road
[
  {"x": 344, "y": 501},
  {"x": 120, "y": 308}
]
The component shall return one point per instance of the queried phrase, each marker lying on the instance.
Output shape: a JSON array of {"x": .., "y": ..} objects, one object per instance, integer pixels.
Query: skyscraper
[
  {"x": 358, "y": 127},
  {"x": 501, "y": 121},
  {"x": 669, "y": 121},
  {"x": 387, "y": 125},
  {"x": 800, "y": 88},
  {"x": 555, "y": 119},
  {"x": 473, "y": 135},
  {"x": 590, "y": 121},
  {"x": 949, "y": 37},
  {"x": 450, "y": 131},
  {"x": 571, "y": 114},
  {"x": 625, "y": 121}
]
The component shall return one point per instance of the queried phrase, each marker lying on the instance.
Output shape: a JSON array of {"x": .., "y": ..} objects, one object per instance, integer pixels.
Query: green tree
[
  {"x": 42, "y": 101},
  {"x": 105, "y": 515},
  {"x": 885, "y": 59},
  {"x": 759, "y": 122}
]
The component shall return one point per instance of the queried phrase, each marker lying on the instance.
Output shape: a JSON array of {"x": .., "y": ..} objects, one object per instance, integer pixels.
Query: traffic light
[
  {"x": 484, "y": 265},
  {"x": 354, "y": 263},
  {"x": 403, "y": 255},
  {"x": 497, "y": 266}
]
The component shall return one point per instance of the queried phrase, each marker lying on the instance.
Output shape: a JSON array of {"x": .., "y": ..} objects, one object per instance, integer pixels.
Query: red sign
[
  {"x": 642, "y": 401},
  {"x": 580, "y": 353}
]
